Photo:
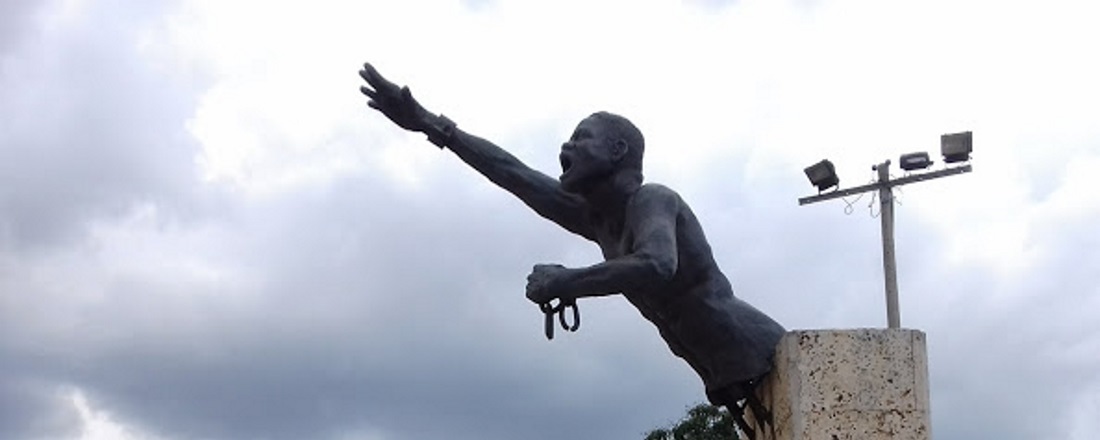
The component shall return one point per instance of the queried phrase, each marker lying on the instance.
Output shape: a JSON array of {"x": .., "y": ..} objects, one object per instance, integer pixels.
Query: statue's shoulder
[
  {"x": 655, "y": 194},
  {"x": 656, "y": 190}
]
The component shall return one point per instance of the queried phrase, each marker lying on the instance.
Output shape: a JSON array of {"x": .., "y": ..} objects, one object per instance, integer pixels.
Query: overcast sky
[{"x": 206, "y": 234}]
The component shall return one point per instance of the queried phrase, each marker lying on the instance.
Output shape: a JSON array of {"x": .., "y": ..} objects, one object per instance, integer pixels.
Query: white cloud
[
  {"x": 300, "y": 267},
  {"x": 99, "y": 424}
]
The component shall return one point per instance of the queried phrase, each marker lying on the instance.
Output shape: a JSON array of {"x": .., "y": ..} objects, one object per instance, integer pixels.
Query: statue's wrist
[{"x": 440, "y": 130}]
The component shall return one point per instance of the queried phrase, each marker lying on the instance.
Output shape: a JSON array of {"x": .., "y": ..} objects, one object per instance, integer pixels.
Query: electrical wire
[
  {"x": 897, "y": 191},
  {"x": 849, "y": 205},
  {"x": 848, "y": 208}
]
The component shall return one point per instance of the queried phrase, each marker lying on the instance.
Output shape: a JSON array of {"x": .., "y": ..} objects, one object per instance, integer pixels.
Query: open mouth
[{"x": 566, "y": 163}]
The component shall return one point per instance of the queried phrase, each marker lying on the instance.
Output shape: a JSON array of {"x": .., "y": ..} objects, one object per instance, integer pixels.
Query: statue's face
[{"x": 586, "y": 158}]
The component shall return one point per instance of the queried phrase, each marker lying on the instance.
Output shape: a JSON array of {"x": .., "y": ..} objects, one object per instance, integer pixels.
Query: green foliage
[{"x": 702, "y": 422}]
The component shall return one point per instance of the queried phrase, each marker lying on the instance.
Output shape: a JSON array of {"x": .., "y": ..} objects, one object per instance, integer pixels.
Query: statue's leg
[
  {"x": 733, "y": 398},
  {"x": 739, "y": 396},
  {"x": 738, "y": 413},
  {"x": 761, "y": 414}
]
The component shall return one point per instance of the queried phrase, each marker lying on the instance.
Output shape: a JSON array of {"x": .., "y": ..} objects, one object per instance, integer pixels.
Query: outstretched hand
[{"x": 396, "y": 102}]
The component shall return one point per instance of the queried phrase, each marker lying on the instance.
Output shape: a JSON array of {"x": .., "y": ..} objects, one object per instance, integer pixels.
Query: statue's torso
[{"x": 724, "y": 339}]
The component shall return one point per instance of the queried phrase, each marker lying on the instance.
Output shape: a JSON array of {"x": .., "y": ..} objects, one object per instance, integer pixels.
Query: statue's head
[{"x": 604, "y": 146}]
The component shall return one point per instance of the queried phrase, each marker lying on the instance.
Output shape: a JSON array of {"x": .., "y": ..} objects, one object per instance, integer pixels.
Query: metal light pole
[
  {"x": 886, "y": 197},
  {"x": 889, "y": 262}
]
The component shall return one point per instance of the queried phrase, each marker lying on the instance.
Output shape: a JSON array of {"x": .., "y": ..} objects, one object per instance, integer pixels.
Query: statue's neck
[{"x": 609, "y": 199}]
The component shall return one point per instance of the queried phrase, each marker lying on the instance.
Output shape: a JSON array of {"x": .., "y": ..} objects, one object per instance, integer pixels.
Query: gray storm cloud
[{"x": 363, "y": 305}]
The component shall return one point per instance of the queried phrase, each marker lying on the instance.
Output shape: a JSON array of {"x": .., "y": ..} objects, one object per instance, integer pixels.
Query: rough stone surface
[{"x": 865, "y": 384}]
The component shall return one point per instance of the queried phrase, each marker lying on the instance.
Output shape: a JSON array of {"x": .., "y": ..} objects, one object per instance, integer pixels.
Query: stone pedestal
[{"x": 864, "y": 384}]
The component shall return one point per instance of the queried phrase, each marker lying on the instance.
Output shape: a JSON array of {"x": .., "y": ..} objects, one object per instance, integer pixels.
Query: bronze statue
[{"x": 655, "y": 253}]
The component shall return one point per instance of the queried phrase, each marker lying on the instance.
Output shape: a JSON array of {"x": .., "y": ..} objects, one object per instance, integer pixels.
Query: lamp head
[
  {"x": 956, "y": 147},
  {"x": 822, "y": 175},
  {"x": 915, "y": 161}
]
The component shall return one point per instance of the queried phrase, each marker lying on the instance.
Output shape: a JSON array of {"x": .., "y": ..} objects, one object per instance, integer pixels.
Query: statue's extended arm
[
  {"x": 651, "y": 261},
  {"x": 539, "y": 191}
]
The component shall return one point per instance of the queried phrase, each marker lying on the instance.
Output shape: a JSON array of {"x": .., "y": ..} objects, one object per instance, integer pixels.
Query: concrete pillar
[{"x": 863, "y": 384}]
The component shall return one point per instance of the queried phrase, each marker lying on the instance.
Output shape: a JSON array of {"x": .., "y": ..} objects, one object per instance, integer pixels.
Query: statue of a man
[{"x": 655, "y": 253}]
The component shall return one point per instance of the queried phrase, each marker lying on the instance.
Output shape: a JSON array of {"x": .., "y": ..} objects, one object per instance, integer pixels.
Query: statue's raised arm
[{"x": 539, "y": 191}]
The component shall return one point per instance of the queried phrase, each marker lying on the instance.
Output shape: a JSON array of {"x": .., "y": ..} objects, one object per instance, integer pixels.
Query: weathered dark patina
[{"x": 655, "y": 252}]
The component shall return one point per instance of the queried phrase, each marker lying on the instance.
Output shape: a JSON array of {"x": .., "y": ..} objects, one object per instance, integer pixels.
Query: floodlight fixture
[
  {"x": 915, "y": 161},
  {"x": 956, "y": 147},
  {"x": 823, "y": 175}
]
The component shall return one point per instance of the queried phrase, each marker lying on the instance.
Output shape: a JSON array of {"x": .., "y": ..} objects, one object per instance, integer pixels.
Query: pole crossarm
[
  {"x": 928, "y": 176},
  {"x": 839, "y": 193},
  {"x": 889, "y": 183}
]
